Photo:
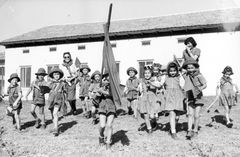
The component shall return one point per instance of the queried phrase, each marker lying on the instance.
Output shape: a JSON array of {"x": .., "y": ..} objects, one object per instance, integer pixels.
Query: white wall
[{"x": 218, "y": 50}]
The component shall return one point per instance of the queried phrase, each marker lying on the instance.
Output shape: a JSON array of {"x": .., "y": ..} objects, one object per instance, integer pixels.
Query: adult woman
[{"x": 70, "y": 73}]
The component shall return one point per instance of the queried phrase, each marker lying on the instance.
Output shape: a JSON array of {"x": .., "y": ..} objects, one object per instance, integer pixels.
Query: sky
[{"x": 21, "y": 16}]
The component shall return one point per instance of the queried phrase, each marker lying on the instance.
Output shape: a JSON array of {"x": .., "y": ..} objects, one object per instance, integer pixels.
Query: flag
[
  {"x": 77, "y": 62},
  {"x": 109, "y": 66}
]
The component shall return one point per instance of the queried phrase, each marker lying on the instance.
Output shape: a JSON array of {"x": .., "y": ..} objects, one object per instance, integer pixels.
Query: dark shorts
[
  {"x": 19, "y": 106},
  {"x": 41, "y": 108},
  {"x": 55, "y": 100},
  {"x": 107, "y": 107},
  {"x": 131, "y": 99}
]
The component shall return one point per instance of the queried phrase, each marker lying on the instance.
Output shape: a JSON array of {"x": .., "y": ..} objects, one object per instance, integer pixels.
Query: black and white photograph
[{"x": 119, "y": 78}]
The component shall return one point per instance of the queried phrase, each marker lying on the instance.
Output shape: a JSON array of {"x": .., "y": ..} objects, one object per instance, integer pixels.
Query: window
[
  {"x": 25, "y": 76},
  {"x": 113, "y": 45},
  {"x": 146, "y": 42},
  {"x": 143, "y": 63},
  {"x": 51, "y": 66},
  {"x": 2, "y": 71},
  {"x": 181, "y": 40},
  {"x": 26, "y": 51},
  {"x": 81, "y": 47},
  {"x": 51, "y": 49}
]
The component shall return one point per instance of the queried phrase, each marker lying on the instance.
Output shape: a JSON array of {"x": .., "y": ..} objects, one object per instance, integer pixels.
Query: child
[
  {"x": 107, "y": 111},
  {"x": 85, "y": 82},
  {"x": 194, "y": 84},
  {"x": 191, "y": 52},
  {"x": 132, "y": 91},
  {"x": 148, "y": 100},
  {"x": 38, "y": 97},
  {"x": 227, "y": 94},
  {"x": 56, "y": 96},
  {"x": 174, "y": 96},
  {"x": 93, "y": 94},
  {"x": 14, "y": 92}
]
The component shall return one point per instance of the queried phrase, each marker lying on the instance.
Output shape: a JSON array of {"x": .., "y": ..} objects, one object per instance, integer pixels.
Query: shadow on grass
[
  {"x": 120, "y": 136},
  {"x": 28, "y": 124},
  {"x": 66, "y": 126}
]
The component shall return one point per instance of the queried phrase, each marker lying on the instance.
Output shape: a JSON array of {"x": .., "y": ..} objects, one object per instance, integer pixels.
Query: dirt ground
[{"x": 79, "y": 137}]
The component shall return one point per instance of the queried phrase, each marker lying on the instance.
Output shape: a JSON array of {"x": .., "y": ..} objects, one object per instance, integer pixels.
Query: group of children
[{"x": 175, "y": 90}]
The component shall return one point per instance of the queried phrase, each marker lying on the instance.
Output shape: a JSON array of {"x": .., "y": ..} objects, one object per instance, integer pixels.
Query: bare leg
[
  {"x": 197, "y": 118},
  {"x": 102, "y": 128},
  {"x": 109, "y": 128},
  {"x": 33, "y": 108},
  {"x": 17, "y": 118},
  {"x": 147, "y": 121},
  {"x": 227, "y": 111},
  {"x": 190, "y": 117},
  {"x": 55, "y": 119},
  {"x": 172, "y": 119}
]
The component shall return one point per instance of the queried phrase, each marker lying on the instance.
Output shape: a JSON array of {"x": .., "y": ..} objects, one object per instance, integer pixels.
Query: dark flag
[{"x": 109, "y": 66}]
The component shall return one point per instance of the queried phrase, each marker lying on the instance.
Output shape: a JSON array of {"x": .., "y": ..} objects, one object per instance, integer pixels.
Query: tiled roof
[{"x": 169, "y": 23}]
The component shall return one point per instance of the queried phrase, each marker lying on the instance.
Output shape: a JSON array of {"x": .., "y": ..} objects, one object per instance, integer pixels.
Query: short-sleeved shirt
[
  {"x": 194, "y": 83},
  {"x": 194, "y": 51},
  {"x": 13, "y": 92}
]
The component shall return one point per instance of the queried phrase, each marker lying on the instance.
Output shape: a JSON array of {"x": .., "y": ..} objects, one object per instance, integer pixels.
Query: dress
[
  {"x": 132, "y": 85},
  {"x": 227, "y": 95},
  {"x": 148, "y": 102},
  {"x": 85, "y": 82},
  {"x": 194, "y": 51},
  {"x": 174, "y": 94}
]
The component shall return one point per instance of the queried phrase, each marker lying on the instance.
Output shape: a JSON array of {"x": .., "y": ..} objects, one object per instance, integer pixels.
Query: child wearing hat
[
  {"x": 38, "y": 97},
  {"x": 191, "y": 51},
  {"x": 195, "y": 83},
  {"x": 57, "y": 96},
  {"x": 148, "y": 105},
  {"x": 174, "y": 96},
  {"x": 94, "y": 95},
  {"x": 132, "y": 91},
  {"x": 107, "y": 111},
  {"x": 85, "y": 82},
  {"x": 14, "y": 92},
  {"x": 227, "y": 93}
]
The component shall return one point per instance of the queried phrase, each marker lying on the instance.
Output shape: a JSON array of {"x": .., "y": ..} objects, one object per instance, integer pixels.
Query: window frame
[
  {"x": 25, "y": 81},
  {"x": 141, "y": 71}
]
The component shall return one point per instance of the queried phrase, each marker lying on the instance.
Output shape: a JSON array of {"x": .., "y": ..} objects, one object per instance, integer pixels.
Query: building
[{"x": 135, "y": 43}]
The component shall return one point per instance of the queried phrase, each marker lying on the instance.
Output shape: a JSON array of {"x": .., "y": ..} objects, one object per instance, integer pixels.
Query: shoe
[
  {"x": 149, "y": 131},
  {"x": 43, "y": 126},
  {"x": 230, "y": 125},
  {"x": 174, "y": 136},
  {"x": 189, "y": 135},
  {"x": 55, "y": 132},
  {"x": 101, "y": 141},
  {"x": 37, "y": 123}
]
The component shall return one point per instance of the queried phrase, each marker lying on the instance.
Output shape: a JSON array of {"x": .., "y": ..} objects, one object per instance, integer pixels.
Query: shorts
[
  {"x": 55, "y": 100},
  {"x": 107, "y": 107}
]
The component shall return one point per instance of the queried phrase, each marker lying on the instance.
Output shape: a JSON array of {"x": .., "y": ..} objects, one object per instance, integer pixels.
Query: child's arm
[
  {"x": 156, "y": 83},
  {"x": 29, "y": 91},
  {"x": 181, "y": 81}
]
